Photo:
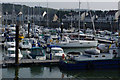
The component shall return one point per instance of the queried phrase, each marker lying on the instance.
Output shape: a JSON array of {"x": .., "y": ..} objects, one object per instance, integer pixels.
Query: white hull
[
  {"x": 80, "y": 43},
  {"x": 25, "y": 46}
]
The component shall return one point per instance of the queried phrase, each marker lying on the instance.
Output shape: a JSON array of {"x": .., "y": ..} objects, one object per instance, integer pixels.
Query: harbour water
[{"x": 55, "y": 72}]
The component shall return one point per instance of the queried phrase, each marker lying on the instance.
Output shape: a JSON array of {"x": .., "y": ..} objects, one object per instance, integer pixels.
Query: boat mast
[
  {"x": 71, "y": 21},
  {"x": 33, "y": 20},
  {"x": 6, "y": 18},
  {"x": 22, "y": 16},
  {"x": 47, "y": 15},
  {"x": 119, "y": 28},
  {"x": 39, "y": 15},
  {"x": 79, "y": 22},
  {"x": 13, "y": 14},
  {"x": 92, "y": 18}
]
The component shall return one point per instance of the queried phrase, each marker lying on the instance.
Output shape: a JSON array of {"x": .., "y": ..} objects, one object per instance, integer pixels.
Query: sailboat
[
  {"x": 67, "y": 42},
  {"x": 108, "y": 60}
]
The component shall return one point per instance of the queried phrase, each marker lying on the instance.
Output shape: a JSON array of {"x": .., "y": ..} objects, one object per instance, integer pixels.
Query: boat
[
  {"x": 9, "y": 42},
  {"x": 11, "y": 54},
  {"x": 71, "y": 55},
  {"x": 68, "y": 43},
  {"x": 56, "y": 52},
  {"x": 37, "y": 53},
  {"x": 12, "y": 27},
  {"x": 2, "y": 38},
  {"x": 93, "y": 59},
  {"x": 25, "y": 44}
]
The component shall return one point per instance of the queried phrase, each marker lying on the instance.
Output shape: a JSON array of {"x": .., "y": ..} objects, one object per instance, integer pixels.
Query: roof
[
  {"x": 13, "y": 49},
  {"x": 36, "y": 48},
  {"x": 56, "y": 48}
]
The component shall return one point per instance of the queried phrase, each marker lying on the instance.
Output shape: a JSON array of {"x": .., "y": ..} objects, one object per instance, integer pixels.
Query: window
[
  {"x": 103, "y": 55},
  {"x": 11, "y": 52},
  {"x": 96, "y": 56}
]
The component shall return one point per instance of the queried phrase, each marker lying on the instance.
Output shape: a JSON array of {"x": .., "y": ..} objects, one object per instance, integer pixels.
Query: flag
[
  {"x": 6, "y": 13},
  {"x": 96, "y": 16},
  {"x": 83, "y": 16},
  {"x": 93, "y": 18},
  {"x": 20, "y": 13},
  {"x": 117, "y": 15},
  {"x": 44, "y": 13},
  {"x": 87, "y": 14},
  {"x": 55, "y": 17}
]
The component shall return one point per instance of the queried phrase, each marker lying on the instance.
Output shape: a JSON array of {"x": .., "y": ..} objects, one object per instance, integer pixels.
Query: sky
[{"x": 69, "y": 4}]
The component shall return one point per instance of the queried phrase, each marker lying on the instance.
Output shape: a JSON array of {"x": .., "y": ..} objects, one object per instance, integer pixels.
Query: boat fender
[{"x": 63, "y": 56}]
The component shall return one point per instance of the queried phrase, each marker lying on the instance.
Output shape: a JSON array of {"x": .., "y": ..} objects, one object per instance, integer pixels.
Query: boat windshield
[
  {"x": 37, "y": 52},
  {"x": 10, "y": 40},
  {"x": 11, "y": 52},
  {"x": 57, "y": 51},
  {"x": 25, "y": 43}
]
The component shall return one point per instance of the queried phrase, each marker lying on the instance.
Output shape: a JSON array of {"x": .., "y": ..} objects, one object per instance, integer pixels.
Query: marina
[{"x": 43, "y": 42}]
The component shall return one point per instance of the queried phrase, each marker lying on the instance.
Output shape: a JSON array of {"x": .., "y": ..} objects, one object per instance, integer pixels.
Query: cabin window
[
  {"x": 103, "y": 55},
  {"x": 11, "y": 52},
  {"x": 37, "y": 52},
  {"x": 10, "y": 40},
  {"x": 96, "y": 56},
  {"x": 80, "y": 43}
]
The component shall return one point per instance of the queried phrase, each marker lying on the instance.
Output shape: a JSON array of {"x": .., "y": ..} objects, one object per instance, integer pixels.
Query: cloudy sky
[{"x": 69, "y": 4}]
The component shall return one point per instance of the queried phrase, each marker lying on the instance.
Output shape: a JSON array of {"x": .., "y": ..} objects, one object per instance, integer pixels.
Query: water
[{"x": 55, "y": 72}]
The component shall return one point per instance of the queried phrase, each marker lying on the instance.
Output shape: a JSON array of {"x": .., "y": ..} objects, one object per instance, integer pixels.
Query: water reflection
[
  {"x": 36, "y": 70},
  {"x": 54, "y": 71},
  {"x": 92, "y": 73},
  {"x": 16, "y": 73}
]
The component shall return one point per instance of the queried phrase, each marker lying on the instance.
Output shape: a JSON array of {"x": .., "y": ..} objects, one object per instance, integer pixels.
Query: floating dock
[{"x": 28, "y": 62}]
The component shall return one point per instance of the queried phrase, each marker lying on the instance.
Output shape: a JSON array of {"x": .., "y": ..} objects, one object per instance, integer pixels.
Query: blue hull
[{"x": 94, "y": 64}]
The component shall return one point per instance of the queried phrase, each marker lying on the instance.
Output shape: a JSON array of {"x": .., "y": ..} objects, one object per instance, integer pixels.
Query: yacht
[
  {"x": 11, "y": 54},
  {"x": 9, "y": 42},
  {"x": 25, "y": 44},
  {"x": 68, "y": 43},
  {"x": 37, "y": 53},
  {"x": 56, "y": 52}
]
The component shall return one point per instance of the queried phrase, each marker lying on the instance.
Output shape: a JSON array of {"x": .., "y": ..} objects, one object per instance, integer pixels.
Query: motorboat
[
  {"x": 9, "y": 42},
  {"x": 68, "y": 43},
  {"x": 37, "y": 53},
  {"x": 93, "y": 59},
  {"x": 56, "y": 53},
  {"x": 11, "y": 54},
  {"x": 25, "y": 44}
]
